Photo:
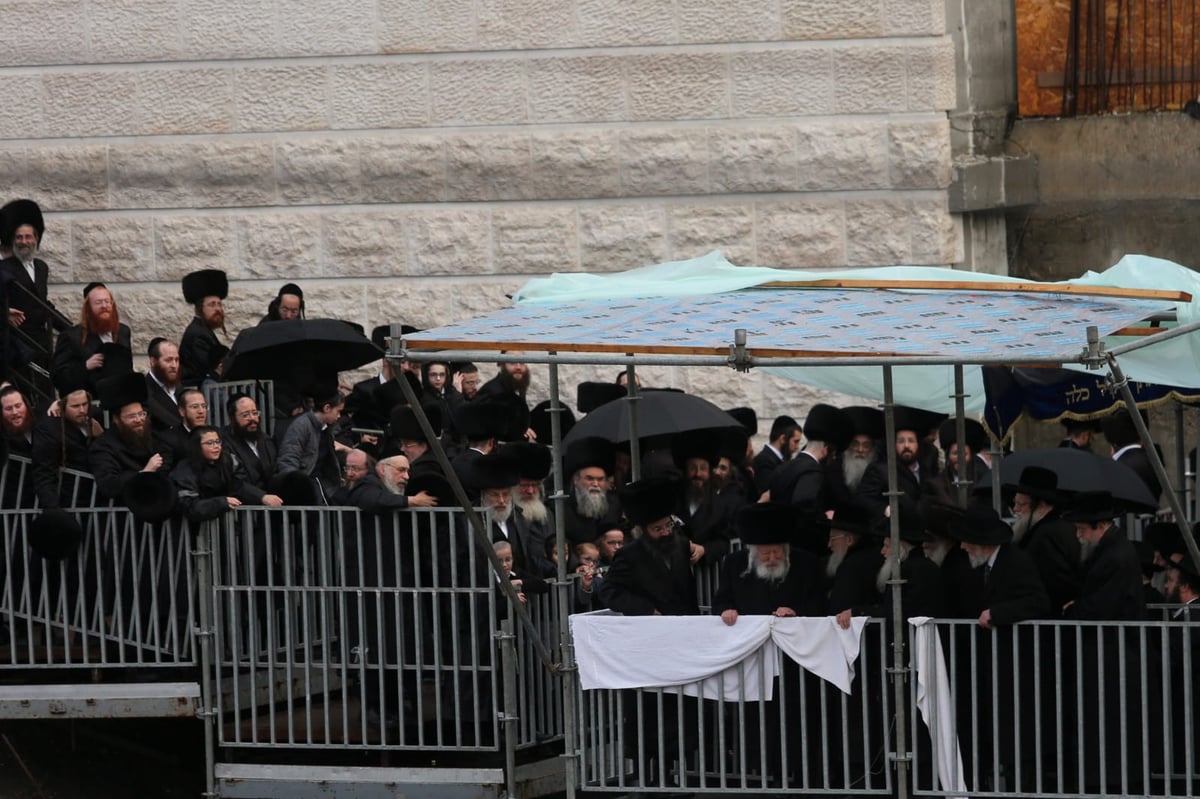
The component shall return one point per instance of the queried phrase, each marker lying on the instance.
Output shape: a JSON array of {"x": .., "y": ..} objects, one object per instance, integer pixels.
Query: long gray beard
[
  {"x": 1086, "y": 550},
  {"x": 395, "y": 488},
  {"x": 534, "y": 509},
  {"x": 591, "y": 506},
  {"x": 834, "y": 563},
  {"x": 885, "y": 571},
  {"x": 978, "y": 559},
  {"x": 1021, "y": 526},
  {"x": 938, "y": 550},
  {"x": 853, "y": 469},
  {"x": 1159, "y": 582}
]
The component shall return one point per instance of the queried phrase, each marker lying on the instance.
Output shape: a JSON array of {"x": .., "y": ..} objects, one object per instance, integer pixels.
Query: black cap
[
  {"x": 204, "y": 283},
  {"x": 865, "y": 420},
  {"x": 1091, "y": 506},
  {"x": 688, "y": 445},
  {"x": 95, "y": 284},
  {"x": 477, "y": 421},
  {"x": 828, "y": 424},
  {"x": 495, "y": 470},
  {"x": 290, "y": 288},
  {"x": 746, "y": 417},
  {"x": 16, "y": 214},
  {"x": 1037, "y": 482},
  {"x": 533, "y": 460},
  {"x": 117, "y": 392}
]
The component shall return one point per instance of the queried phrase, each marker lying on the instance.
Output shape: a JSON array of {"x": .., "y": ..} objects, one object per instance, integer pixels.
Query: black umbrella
[
  {"x": 659, "y": 413},
  {"x": 1079, "y": 470},
  {"x": 290, "y": 348}
]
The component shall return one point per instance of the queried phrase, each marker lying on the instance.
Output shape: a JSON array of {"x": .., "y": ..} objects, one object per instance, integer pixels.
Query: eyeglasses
[
  {"x": 212, "y": 443},
  {"x": 249, "y": 415},
  {"x": 197, "y": 406},
  {"x": 663, "y": 528},
  {"x": 134, "y": 417}
]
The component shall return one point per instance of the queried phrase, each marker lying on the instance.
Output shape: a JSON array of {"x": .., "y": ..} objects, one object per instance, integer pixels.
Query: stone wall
[{"x": 417, "y": 160}]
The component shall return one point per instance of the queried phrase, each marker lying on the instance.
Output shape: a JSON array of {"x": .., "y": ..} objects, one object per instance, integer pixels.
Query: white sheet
[{"x": 930, "y": 665}]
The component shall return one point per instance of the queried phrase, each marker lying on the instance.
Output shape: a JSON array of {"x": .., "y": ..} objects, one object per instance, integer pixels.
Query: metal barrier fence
[
  {"x": 127, "y": 597},
  {"x": 809, "y": 737},
  {"x": 1063, "y": 709}
]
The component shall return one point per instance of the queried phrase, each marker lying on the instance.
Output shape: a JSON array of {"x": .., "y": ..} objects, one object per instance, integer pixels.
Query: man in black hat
[
  {"x": 706, "y": 515},
  {"x": 909, "y": 471},
  {"x": 591, "y": 509},
  {"x": 1012, "y": 588},
  {"x": 308, "y": 446},
  {"x": 162, "y": 384},
  {"x": 802, "y": 482},
  {"x": 406, "y": 431},
  {"x": 512, "y": 380},
  {"x": 769, "y": 577},
  {"x": 534, "y": 462},
  {"x": 205, "y": 290},
  {"x": 393, "y": 472},
  {"x": 251, "y": 449},
  {"x": 845, "y": 472},
  {"x": 943, "y": 488},
  {"x": 29, "y": 306},
  {"x": 1079, "y": 434},
  {"x": 288, "y": 304},
  {"x": 652, "y": 575},
  {"x": 923, "y": 592},
  {"x": 782, "y": 443},
  {"x": 1127, "y": 449},
  {"x": 481, "y": 424},
  {"x": 853, "y": 561},
  {"x": 496, "y": 475},
  {"x": 99, "y": 346},
  {"x": 130, "y": 446},
  {"x": 1042, "y": 534},
  {"x": 1112, "y": 571},
  {"x": 62, "y": 442}
]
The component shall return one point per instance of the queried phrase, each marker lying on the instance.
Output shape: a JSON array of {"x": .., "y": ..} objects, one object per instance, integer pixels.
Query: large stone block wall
[{"x": 419, "y": 160}]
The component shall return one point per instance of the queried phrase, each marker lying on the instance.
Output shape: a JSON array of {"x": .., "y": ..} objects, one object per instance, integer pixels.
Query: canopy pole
[
  {"x": 964, "y": 473},
  {"x": 898, "y": 665},
  {"x": 632, "y": 396},
  {"x": 1180, "y": 471},
  {"x": 474, "y": 519},
  {"x": 1117, "y": 376},
  {"x": 563, "y": 588}
]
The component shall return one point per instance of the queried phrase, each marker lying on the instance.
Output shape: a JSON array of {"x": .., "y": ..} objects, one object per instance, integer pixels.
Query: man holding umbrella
[{"x": 308, "y": 446}]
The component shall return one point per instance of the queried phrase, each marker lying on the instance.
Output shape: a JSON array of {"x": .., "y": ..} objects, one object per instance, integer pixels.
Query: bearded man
[
  {"x": 29, "y": 308},
  {"x": 62, "y": 442},
  {"x": 1042, "y": 534},
  {"x": 909, "y": 473},
  {"x": 853, "y": 561},
  {"x": 162, "y": 384},
  {"x": 770, "y": 577},
  {"x": 130, "y": 446},
  {"x": 205, "y": 291},
  {"x": 394, "y": 472},
  {"x": 81, "y": 357},
  {"x": 533, "y": 462},
  {"x": 16, "y": 419},
  {"x": 708, "y": 516},
  {"x": 496, "y": 474},
  {"x": 591, "y": 508},
  {"x": 247, "y": 444},
  {"x": 1112, "y": 571}
]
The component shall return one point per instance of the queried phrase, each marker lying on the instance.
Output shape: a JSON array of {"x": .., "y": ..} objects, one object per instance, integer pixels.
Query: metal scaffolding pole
[
  {"x": 633, "y": 394},
  {"x": 899, "y": 669}
]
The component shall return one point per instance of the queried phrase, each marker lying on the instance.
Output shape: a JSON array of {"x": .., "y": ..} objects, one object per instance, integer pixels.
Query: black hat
[
  {"x": 54, "y": 534},
  {"x": 433, "y": 483},
  {"x": 688, "y": 445},
  {"x": 1166, "y": 538},
  {"x": 1119, "y": 429},
  {"x": 977, "y": 437},
  {"x": 16, "y": 214},
  {"x": 539, "y": 421},
  {"x": 746, "y": 417},
  {"x": 590, "y": 396},
  {"x": 980, "y": 525},
  {"x": 406, "y": 427},
  {"x": 1038, "y": 482},
  {"x": 1080, "y": 425},
  {"x": 912, "y": 525},
  {"x": 150, "y": 496},
  {"x": 1090, "y": 506},
  {"x": 916, "y": 419},
  {"x": 117, "y": 392},
  {"x": 590, "y": 452},
  {"x": 67, "y": 382},
  {"x": 380, "y": 333},
  {"x": 118, "y": 360},
  {"x": 647, "y": 501},
  {"x": 731, "y": 444},
  {"x": 1145, "y": 552},
  {"x": 495, "y": 470},
  {"x": 514, "y": 417},
  {"x": 780, "y": 424},
  {"x": 322, "y": 388},
  {"x": 477, "y": 421},
  {"x": 533, "y": 460},
  {"x": 95, "y": 284},
  {"x": 294, "y": 488},
  {"x": 205, "y": 283},
  {"x": 865, "y": 421},
  {"x": 766, "y": 523},
  {"x": 1187, "y": 569},
  {"x": 828, "y": 424},
  {"x": 853, "y": 517}
]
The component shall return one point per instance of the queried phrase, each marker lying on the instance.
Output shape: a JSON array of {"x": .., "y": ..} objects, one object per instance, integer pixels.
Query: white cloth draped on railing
[
  {"x": 701, "y": 655},
  {"x": 935, "y": 703}
]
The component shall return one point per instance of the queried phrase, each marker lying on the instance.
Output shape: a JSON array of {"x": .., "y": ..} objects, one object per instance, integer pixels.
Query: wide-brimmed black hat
[
  {"x": 204, "y": 283},
  {"x": 591, "y": 451},
  {"x": 380, "y": 333},
  {"x": 912, "y": 525},
  {"x": 1167, "y": 538},
  {"x": 732, "y": 444},
  {"x": 830, "y": 425},
  {"x": 477, "y": 421},
  {"x": 695, "y": 444},
  {"x": 1187, "y": 568},
  {"x": 121, "y": 390},
  {"x": 150, "y": 496},
  {"x": 533, "y": 460},
  {"x": 495, "y": 470},
  {"x": 404, "y": 424},
  {"x": 540, "y": 421},
  {"x": 54, "y": 534},
  {"x": 746, "y": 417},
  {"x": 1037, "y": 482},
  {"x": 977, "y": 437},
  {"x": 980, "y": 525},
  {"x": 515, "y": 421},
  {"x": 432, "y": 483},
  {"x": 865, "y": 421},
  {"x": 918, "y": 420},
  {"x": 762, "y": 523},
  {"x": 18, "y": 213},
  {"x": 590, "y": 396},
  {"x": 650, "y": 500},
  {"x": 1090, "y": 506},
  {"x": 852, "y": 517}
]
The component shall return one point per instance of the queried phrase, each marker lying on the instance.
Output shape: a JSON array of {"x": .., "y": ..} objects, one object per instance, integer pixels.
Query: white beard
[
  {"x": 978, "y": 559},
  {"x": 885, "y": 571},
  {"x": 769, "y": 574},
  {"x": 834, "y": 563},
  {"x": 502, "y": 516},
  {"x": 591, "y": 506},
  {"x": 854, "y": 467},
  {"x": 1021, "y": 526},
  {"x": 937, "y": 551},
  {"x": 534, "y": 509},
  {"x": 1086, "y": 550}
]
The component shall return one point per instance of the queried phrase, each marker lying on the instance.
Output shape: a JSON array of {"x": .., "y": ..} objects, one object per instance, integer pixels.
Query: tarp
[{"x": 694, "y": 306}]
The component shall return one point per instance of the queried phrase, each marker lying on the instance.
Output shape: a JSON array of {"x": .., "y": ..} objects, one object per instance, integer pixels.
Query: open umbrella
[
  {"x": 659, "y": 413},
  {"x": 1079, "y": 470},
  {"x": 292, "y": 347}
]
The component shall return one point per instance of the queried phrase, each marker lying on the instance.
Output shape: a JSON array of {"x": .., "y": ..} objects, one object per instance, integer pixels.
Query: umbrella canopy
[
  {"x": 659, "y": 413},
  {"x": 1078, "y": 470},
  {"x": 291, "y": 347}
]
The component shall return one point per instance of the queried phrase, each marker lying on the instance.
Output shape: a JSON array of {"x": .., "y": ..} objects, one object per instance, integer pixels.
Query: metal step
[{"x": 100, "y": 701}]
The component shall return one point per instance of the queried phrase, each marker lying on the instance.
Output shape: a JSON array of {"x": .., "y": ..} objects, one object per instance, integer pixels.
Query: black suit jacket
[
  {"x": 801, "y": 590},
  {"x": 1052, "y": 546},
  {"x": 196, "y": 352},
  {"x": 923, "y": 592},
  {"x": 711, "y": 526},
  {"x": 873, "y": 488},
  {"x": 765, "y": 463},
  {"x": 518, "y": 536},
  {"x": 49, "y": 456},
  {"x": 801, "y": 482},
  {"x": 259, "y": 468},
  {"x": 164, "y": 411},
  {"x": 640, "y": 582},
  {"x": 114, "y": 463},
  {"x": 1013, "y": 591},
  {"x": 70, "y": 357},
  {"x": 37, "y": 319},
  {"x": 853, "y": 586},
  {"x": 1112, "y": 582}
]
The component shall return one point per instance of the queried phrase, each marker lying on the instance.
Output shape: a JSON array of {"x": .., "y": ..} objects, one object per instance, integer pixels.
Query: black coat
[
  {"x": 801, "y": 483},
  {"x": 765, "y": 463},
  {"x": 69, "y": 365},
  {"x": 196, "y": 352},
  {"x": 49, "y": 456},
  {"x": 204, "y": 494},
  {"x": 801, "y": 590},
  {"x": 873, "y": 488},
  {"x": 1112, "y": 582},
  {"x": 711, "y": 526},
  {"x": 259, "y": 468},
  {"x": 164, "y": 411},
  {"x": 853, "y": 586},
  {"x": 1052, "y": 546},
  {"x": 518, "y": 538},
  {"x": 922, "y": 594},
  {"x": 1013, "y": 591},
  {"x": 114, "y": 463},
  {"x": 639, "y": 582},
  {"x": 370, "y": 494},
  {"x": 38, "y": 320},
  {"x": 582, "y": 530}
]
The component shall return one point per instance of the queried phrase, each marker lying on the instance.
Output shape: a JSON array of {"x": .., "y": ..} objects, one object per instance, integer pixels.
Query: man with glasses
[
  {"x": 248, "y": 445},
  {"x": 193, "y": 413},
  {"x": 205, "y": 290},
  {"x": 591, "y": 508},
  {"x": 130, "y": 446}
]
